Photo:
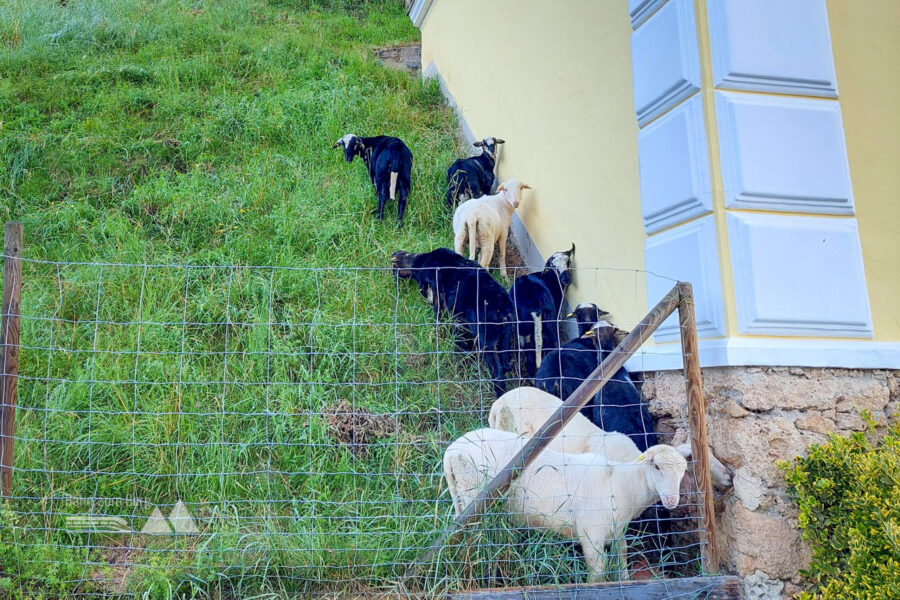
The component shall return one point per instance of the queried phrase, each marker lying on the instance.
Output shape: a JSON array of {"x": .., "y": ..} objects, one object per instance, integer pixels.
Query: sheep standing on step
[
  {"x": 389, "y": 164},
  {"x": 473, "y": 177},
  {"x": 524, "y": 410},
  {"x": 585, "y": 497},
  {"x": 538, "y": 298},
  {"x": 485, "y": 221}
]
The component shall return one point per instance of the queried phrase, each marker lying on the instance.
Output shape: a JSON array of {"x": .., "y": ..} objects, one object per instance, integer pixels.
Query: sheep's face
[
  {"x": 490, "y": 145},
  {"x": 587, "y": 313},
  {"x": 561, "y": 262},
  {"x": 352, "y": 146},
  {"x": 666, "y": 469},
  {"x": 402, "y": 263},
  {"x": 513, "y": 189}
]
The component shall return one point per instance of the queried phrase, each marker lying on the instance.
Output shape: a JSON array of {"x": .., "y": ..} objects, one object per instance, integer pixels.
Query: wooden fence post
[
  {"x": 9, "y": 349},
  {"x": 697, "y": 419},
  {"x": 572, "y": 405}
]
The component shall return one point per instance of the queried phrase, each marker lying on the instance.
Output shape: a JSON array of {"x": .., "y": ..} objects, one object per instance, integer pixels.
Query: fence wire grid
[{"x": 265, "y": 426}]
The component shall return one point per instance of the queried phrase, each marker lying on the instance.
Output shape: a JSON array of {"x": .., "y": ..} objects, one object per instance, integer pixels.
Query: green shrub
[{"x": 848, "y": 492}]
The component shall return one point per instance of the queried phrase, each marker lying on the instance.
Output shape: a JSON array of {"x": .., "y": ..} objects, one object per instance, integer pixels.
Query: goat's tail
[{"x": 393, "y": 184}]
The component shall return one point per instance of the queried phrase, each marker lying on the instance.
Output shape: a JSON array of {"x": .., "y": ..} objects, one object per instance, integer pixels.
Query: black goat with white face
[
  {"x": 389, "y": 163},
  {"x": 538, "y": 298},
  {"x": 473, "y": 177}
]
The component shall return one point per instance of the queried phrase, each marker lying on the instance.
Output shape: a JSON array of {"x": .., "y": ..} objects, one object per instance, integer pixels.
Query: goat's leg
[
  {"x": 593, "y": 557},
  {"x": 503, "y": 235},
  {"x": 459, "y": 242},
  {"x": 401, "y": 205},
  {"x": 382, "y": 190},
  {"x": 486, "y": 242}
]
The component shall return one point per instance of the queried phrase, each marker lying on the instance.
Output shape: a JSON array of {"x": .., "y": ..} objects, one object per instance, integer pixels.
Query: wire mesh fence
[{"x": 237, "y": 427}]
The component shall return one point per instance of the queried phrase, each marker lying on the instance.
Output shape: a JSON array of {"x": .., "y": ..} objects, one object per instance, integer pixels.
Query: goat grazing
[
  {"x": 538, "y": 298},
  {"x": 485, "y": 221},
  {"x": 618, "y": 406},
  {"x": 389, "y": 163},
  {"x": 473, "y": 177},
  {"x": 524, "y": 410},
  {"x": 477, "y": 303},
  {"x": 585, "y": 497}
]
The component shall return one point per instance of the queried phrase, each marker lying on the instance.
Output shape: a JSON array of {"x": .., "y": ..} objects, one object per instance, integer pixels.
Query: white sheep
[
  {"x": 525, "y": 409},
  {"x": 485, "y": 221},
  {"x": 585, "y": 497}
]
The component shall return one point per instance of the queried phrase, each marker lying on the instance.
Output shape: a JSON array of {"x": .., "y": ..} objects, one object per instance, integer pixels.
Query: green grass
[{"x": 197, "y": 133}]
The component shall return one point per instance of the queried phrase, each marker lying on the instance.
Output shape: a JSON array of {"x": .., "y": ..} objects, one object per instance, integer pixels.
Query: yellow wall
[
  {"x": 566, "y": 111},
  {"x": 865, "y": 38}
]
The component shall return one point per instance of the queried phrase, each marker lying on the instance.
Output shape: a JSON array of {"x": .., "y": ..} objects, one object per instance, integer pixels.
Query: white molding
[
  {"x": 665, "y": 60},
  {"x": 688, "y": 252},
  {"x": 748, "y": 351},
  {"x": 640, "y": 10},
  {"x": 772, "y": 46},
  {"x": 674, "y": 167},
  {"x": 783, "y": 154},
  {"x": 419, "y": 10},
  {"x": 798, "y": 276}
]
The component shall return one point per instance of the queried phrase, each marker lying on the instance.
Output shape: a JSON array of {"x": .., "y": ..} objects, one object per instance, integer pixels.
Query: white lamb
[
  {"x": 585, "y": 497},
  {"x": 525, "y": 409},
  {"x": 485, "y": 221}
]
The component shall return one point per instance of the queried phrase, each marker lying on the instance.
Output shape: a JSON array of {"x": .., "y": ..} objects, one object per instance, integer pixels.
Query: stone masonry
[{"x": 756, "y": 416}]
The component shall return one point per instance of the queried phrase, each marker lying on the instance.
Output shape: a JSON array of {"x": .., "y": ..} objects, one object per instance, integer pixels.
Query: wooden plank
[
  {"x": 571, "y": 407},
  {"x": 700, "y": 588},
  {"x": 697, "y": 418},
  {"x": 9, "y": 349}
]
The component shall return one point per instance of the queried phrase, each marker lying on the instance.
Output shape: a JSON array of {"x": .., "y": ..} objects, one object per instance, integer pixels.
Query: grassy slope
[{"x": 199, "y": 133}]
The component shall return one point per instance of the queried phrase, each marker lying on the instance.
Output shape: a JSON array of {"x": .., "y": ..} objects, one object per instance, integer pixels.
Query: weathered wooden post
[
  {"x": 9, "y": 349},
  {"x": 697, "y": 417}
]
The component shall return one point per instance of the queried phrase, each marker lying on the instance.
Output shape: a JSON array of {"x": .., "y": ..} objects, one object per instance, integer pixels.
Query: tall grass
[{"x": 197, "y": 133}]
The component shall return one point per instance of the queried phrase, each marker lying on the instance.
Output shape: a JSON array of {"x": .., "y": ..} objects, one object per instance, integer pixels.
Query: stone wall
[{"x": 756, "y": 416}]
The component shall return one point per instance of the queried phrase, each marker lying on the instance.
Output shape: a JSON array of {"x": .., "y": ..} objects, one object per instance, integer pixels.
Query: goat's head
[
  {"x": 561, "y": 262},
  {"x": 587, "y": 313},
  {"x": 666, "y": 467},
  {"x": 603, "y": 334},
  {"x": 490, "y": 145},
  {"x": 352, "y": 145},
  {"x": 402, "y": 263},
  {"x": 513, "y": 190}
]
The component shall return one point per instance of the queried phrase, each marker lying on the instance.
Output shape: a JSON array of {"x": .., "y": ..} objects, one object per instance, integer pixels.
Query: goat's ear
[
  {"x": 499, "y": 141},
  {"x": 336, "y": 144},
  {"x": 571, "y": 315},
  {"x": 478, "y": 144},
  {"x": 500, "y": 188}
]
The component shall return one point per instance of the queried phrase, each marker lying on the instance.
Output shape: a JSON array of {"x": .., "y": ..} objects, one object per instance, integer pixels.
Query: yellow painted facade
[
  {"x": 555, "y": 80},
  {"x": 865, "y": 38},
  {"x": 566, "y": 111}
]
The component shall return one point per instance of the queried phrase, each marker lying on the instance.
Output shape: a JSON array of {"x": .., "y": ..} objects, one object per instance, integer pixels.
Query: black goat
[
  {"x": 473, "y": 177},
  {"x": 478, "y": 304},
  {"x": 618, "y": 406},
  {"x": 389, "y": 163},
  {"x": 538, "y": 298}
]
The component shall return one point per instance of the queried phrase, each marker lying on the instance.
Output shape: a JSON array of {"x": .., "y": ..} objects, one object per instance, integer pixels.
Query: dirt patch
[
  {"x": 357, "y": 427},
  {"x": 113, "y": 577},
  {"x": 403, "y": 58}
]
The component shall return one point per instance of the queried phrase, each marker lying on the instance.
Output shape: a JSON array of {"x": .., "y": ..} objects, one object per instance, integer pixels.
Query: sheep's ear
[
  {"x": 641, "y": 458},
  {"x": 501, "y": 188},
  {"x": 525, "y": 186},
  {"x": 478, "y": 144}
]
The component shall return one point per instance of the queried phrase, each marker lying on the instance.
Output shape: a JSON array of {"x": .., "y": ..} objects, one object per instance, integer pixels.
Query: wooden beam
[
  {"x": 573, "y": 404},
  {"x": 706, "y": 588},
  {"x": 9, "y": 349},
  {"x": 697, "y": 418}
]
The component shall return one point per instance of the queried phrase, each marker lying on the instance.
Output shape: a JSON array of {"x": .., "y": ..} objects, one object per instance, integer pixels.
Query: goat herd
[{"x": 606, "y": 466}]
